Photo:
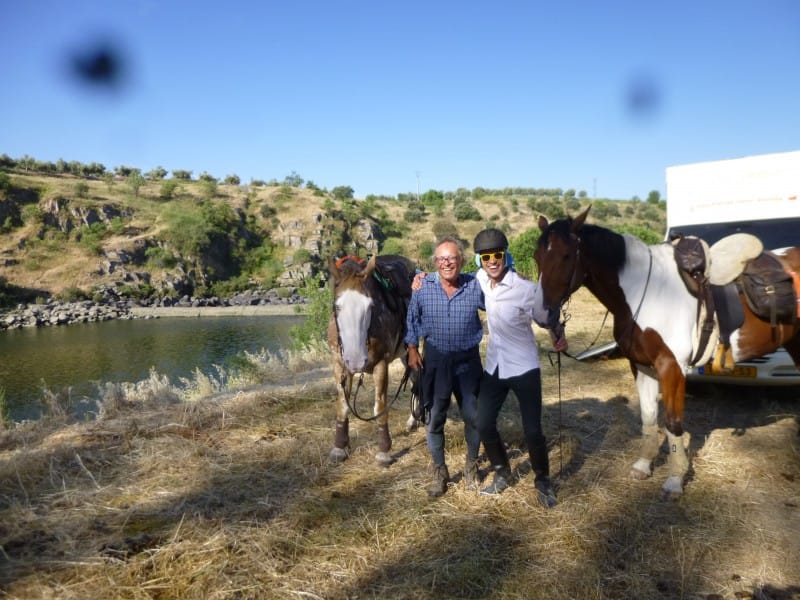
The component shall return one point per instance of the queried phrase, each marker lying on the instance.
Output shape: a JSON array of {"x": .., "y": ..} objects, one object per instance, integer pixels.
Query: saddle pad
[{"x": 729, "y": 255}]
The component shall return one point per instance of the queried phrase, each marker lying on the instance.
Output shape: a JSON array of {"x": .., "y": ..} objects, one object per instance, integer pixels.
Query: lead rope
[{"x": 560, "y": 433}]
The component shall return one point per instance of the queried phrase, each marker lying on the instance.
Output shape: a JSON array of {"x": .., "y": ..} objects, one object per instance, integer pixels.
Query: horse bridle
[{"x": 573, "y": 286}]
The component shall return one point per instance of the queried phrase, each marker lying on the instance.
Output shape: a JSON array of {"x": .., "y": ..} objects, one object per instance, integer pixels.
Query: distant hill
[{"x": 74, "y": 237}]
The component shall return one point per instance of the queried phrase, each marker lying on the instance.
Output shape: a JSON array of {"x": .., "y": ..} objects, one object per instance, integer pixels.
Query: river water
[{"x": 83, "y": 355}]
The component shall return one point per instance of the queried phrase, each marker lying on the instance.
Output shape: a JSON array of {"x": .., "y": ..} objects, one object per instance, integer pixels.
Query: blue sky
[{"x": 599, "y": 96}]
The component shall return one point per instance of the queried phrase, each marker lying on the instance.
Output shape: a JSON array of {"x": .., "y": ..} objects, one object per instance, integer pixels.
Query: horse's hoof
[
  {"x": 337, "y": 456},
  {"x": 641, "y": 470},
  {"x": 384, "y": 459},
  {"x": 672, "y": 488},
  {"x": 412, "y": 424}
]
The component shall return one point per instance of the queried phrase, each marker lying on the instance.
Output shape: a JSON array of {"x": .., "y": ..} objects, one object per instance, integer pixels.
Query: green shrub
[
  {"x": 158, "y": 257},
  {"x": 443, "y": 228},
  {"x": 117, "y": 226},
  {"x": 522, "y": 248},
  {"x": 168, "y": 189},
  {"x": 32, "y": 214},
  {"x": 466, "y": 212},
  {"x": 301, "y": 256},
  {"x": 191, "y": 229},
  {"x": 414, "y": 214},
  {"x": 647, "y": 235},
  {"x": 392, "y": 245},
  {"x": 90, "y": 237},
  {"x": 208, "y": 188},
  {"x": 5, "y": 410},
  {"x": 81, "y": 189},
  {"x": 137, "y": 291},
  {"x": 313, "y": 331},
  {"x": 72, "y": 294},
  {"x": 229, "y": 287}
]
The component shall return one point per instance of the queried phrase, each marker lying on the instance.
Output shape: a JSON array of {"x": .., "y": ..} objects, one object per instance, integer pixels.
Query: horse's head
[
  {"x": 558, "y": 259},
  {"x": 352, "y": 309}
]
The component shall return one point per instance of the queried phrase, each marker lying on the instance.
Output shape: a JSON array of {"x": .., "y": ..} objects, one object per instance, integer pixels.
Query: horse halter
[{"x": 576, "y": 277}]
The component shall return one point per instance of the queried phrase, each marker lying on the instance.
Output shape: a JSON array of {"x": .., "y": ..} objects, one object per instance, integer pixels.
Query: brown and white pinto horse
[
  {"x": 366, "y": 333},
  {"x": 654, "y": 320}
]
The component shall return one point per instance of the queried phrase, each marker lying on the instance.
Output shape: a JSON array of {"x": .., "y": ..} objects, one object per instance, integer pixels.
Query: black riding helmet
[{"x": 490, "y": 239}]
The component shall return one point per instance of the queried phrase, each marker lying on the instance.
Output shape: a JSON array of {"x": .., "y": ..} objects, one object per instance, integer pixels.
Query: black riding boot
[
  {"x": 540, "y": 464},
  {"x": 496, "y": 453}
]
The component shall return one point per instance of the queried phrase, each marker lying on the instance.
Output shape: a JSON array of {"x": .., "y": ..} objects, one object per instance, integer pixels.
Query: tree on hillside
[
  {"x": 181, "y": 174},
  {"x": 434, "y": 200},
  {"x": 124, "y": 171},
  {"x": 232, "y": 179},
  {"x": 293, "y": 180},
  {"x": 135, "y": 181},
  {"x": 343, "y": 192},
  {"x": 654, "y": 197},
  {"x": 156, "y": 174}
]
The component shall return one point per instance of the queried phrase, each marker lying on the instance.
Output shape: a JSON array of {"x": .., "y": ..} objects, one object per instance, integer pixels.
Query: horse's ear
[
  {"x": 333, "y": 268},
  {"x": 367, "y": 272},
  {"x": 543, "y": 222},
  {"x": 578, "y": 221}
]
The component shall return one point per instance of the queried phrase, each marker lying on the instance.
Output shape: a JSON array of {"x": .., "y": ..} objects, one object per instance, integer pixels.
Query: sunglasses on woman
[{"x": 486, "y": 257}]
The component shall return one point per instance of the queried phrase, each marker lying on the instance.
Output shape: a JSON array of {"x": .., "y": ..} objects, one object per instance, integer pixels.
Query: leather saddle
[{"x": 738, "y": 264}]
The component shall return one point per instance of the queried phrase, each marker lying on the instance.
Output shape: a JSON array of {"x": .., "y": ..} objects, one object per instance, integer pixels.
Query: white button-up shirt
[{"x": 510, "y": 314}]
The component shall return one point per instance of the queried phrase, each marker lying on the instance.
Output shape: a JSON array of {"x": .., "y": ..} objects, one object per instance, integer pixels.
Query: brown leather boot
[
  {"x": 472, "y": 476},
  {"x": 438, "y": 485}
]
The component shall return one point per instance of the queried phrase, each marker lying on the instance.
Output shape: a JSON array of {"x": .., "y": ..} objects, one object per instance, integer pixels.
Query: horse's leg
[
  {"x": 648, "y": 406},
  {"x": 380, "y": 377},
  {"x": 341, "y": 441},
  {"x": 673, "y": 392}
]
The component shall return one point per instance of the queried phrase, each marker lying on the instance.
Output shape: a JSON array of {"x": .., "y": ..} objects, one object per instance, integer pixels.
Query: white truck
[{"x": 755, "y": 194}]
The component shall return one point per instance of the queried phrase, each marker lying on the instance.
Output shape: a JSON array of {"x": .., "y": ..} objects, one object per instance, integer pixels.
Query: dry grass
[{"x": 231, "y": 496}]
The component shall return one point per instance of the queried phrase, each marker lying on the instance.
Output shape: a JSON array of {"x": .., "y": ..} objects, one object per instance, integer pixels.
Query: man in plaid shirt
[{"x": 444, "y": 312}]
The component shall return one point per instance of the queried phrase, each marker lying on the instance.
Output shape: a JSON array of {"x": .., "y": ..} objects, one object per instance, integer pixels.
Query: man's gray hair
[{"x": 449, "y": 239}]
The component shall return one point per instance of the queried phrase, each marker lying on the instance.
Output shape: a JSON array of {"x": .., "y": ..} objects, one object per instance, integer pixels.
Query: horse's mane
[{"x": 603, "y": 245}]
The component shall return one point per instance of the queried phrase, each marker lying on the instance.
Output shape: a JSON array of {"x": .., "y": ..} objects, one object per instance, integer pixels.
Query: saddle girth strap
[{"x": 706, "y": 298}]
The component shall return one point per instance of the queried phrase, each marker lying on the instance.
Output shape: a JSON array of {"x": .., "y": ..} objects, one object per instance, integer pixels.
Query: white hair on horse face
[{"x": 353, "y": 313}]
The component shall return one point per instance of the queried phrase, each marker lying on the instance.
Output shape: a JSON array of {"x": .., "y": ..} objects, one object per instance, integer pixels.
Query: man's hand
[
  {"x": 559, "y": 339},
  {"x": 416, "y": 285},
  {"x": 414, "y": 359}
]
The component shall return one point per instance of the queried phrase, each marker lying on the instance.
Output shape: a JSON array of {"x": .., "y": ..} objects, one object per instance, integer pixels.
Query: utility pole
[{"x": 417, "y": 172}]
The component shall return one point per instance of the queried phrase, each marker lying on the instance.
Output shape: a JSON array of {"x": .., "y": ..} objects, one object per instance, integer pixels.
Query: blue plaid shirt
[{"x": 450, "y": 324}]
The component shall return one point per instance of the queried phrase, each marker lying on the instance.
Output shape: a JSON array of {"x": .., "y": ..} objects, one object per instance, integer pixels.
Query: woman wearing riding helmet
[{"x": 512, "y": 363}]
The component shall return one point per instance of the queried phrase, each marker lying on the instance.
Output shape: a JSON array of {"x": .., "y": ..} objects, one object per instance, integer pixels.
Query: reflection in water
[{"x": 81, "y": 356}]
